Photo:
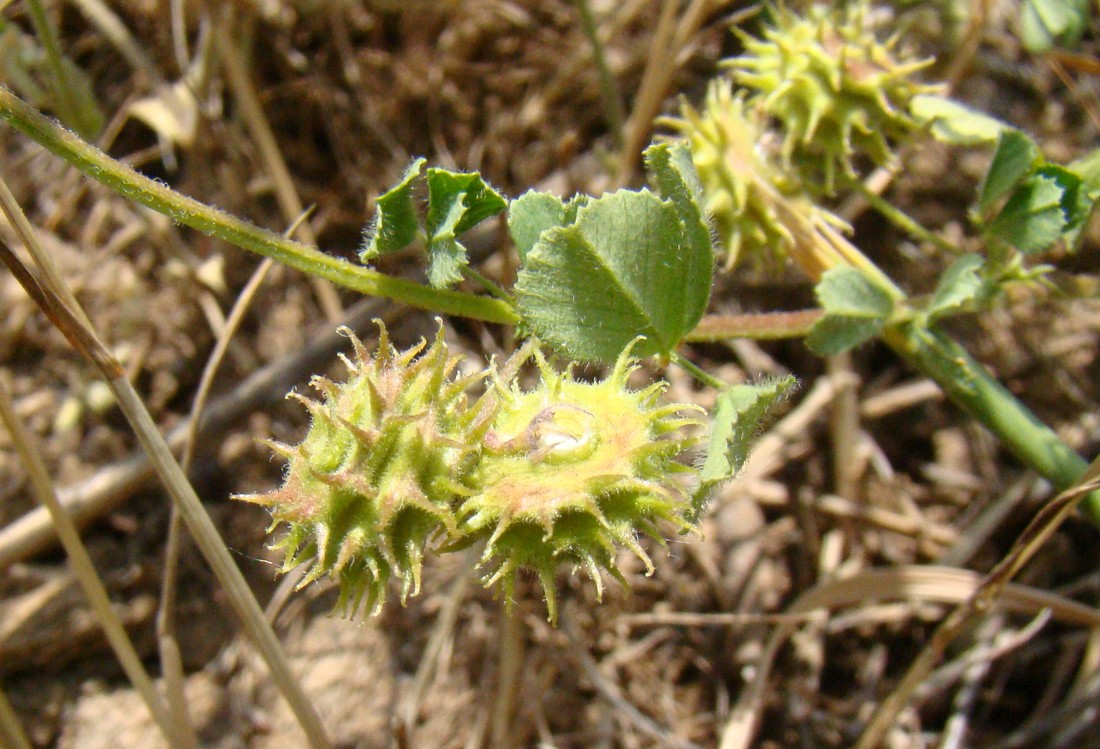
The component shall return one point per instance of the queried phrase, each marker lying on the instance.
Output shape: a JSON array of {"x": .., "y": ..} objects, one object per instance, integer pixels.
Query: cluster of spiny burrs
[
  {"x": 399, "y": 457},
  {"x": 807, "y": 102},
  {"x": 836, "y": 90}
]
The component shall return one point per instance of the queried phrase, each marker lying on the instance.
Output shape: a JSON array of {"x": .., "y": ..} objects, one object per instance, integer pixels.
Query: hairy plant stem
[
  {"x": 701, "y": 375},
  {"x": 759, "y": 326},
  {"x": 972, "y": 387},
  {"x": 130, "y": 184},
  {"x": 819, "y": 247}
]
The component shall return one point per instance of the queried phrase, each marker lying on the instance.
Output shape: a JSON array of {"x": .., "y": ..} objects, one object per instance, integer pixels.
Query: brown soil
[{"x": 352, "y": 91}]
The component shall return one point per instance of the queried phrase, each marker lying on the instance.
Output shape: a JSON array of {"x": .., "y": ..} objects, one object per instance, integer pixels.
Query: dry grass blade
[
  {"x": 993, "y": 642},
  {"x": 11, "y": 730},
  {"x": 844, "y": 427},
  {"x": 85, "y": 341},
  {"x": 655, "y": 80},
  {"x": 912, "y": 582},
  {"x": 168, "y": 645},
  {"x": 81, "y": 564},
  {"x": 1048, "y": 519},
  {"x": 43, "y": 259},
  {"x": 512, "y": 634},
  {"x": 669, "y": 40}
]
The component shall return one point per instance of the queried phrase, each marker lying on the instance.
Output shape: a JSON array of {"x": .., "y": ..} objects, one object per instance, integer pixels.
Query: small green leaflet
[
  {"x": 446, "y": 256},
  {"x": 457, "y": 202},
  {"x": 1088, "y": 169},
  {"x": 1045, "y": 24},
  {"x": 959, "y": 286},
  {"x": 395, "y": 223},
  {"x": 1045, "y": 202},
  {"x": 1047, "y": 206},
  {"x": 855, "y": 311},
  {"x": 530, "y": 215},
  {"x": 446, "y": 189},
  {"x": 630, "y": 264},
  {"x": 735, "y": 422},
  {"x": 954, "y": 123},
  {"x": 1015, "y": 157},
  {"x": 678, "y": 182},
  {"x": 534, "y": 212}
]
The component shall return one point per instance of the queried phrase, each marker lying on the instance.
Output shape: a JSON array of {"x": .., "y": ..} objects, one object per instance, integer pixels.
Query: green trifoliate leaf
[
  {"x": 446, "y": 256},
  {"x": 457, "y": 202},
  {"x": 1015, "y": 158},
  {"x": 855, "y": 311},
  {"x": 618, "y": 272},
  {"x": 959, "y": 287},
  {"x": 395, "y": 223},
  {"x": 1045, "y": 24},
  {"x": 599, "y": 272},
  {"x": 1078, "y": 199},
  {"x": 735, "y": 422},
  {"x": 478, "y": 199},
  {"x": 589, "y": 289},
  {"x": 1044, "y": 208},
  {"x": 953, "y": 123}
]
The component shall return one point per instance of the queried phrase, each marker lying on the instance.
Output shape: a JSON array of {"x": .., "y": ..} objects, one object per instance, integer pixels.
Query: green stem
[
  {"x": 902, "y": 220},
  {"x": 134, "y": 186},
  {"x": 970, "y": 386},
  {"x": 64, "y": 93},
  {"x": 488, "y": 284},
  {"x": 609, "y": 89},
  {"x": 704, "y": 377},
  {"x": 962, "y": 378}
]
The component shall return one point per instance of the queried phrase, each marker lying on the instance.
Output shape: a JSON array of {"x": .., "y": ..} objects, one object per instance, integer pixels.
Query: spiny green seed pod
[
  {"x": 836, "y": 90},
  {"x": 755, "y": 202},
  {"x": 380, "y": 470},
  {"x": 572, "y": 471},
  {"x": 738, "y": 178}
]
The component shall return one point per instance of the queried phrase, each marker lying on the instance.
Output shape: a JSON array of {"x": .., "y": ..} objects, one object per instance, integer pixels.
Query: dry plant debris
[{"x": 351, "y": 91}]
